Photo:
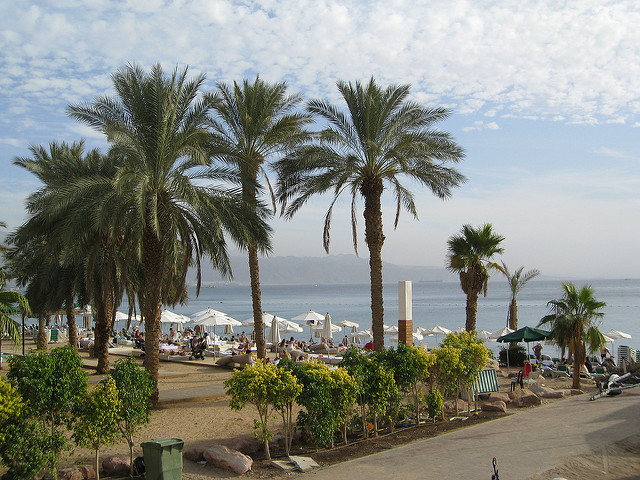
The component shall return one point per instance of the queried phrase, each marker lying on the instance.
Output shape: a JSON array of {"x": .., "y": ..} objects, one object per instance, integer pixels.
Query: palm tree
[
  {"x": 11, "y": 303},
  {"x": 516, "y": 281},
  {"x": 573, "y": 323},
  {"x": 469, "y": 254},
  {"x": 65, "y": 250},
  {"x": 255, "y": 122},
  {"x": 382, "y": 139},
  {"x": 169, "y": 210}
]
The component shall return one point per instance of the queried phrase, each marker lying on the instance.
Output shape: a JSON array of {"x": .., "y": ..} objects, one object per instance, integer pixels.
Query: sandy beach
[{"x": 194, "y": 408}]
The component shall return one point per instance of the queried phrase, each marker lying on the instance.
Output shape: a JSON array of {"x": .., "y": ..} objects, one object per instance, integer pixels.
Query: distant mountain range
[{"x": 329, "y": 270}]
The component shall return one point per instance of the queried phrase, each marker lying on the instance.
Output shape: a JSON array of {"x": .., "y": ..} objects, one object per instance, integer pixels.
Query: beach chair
[
  {"x": 54, "y": 335},
  {"x": 487, "y": 382}
]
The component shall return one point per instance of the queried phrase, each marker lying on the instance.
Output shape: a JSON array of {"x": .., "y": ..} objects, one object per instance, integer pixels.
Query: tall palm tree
[
  {"x": 382, "y": 139},
  {"x": 170, "y": 211},
  {"x": 469, "y": 254},
  {"x": 516, "y": 281},
  {"x": 573, "y": 322},
  {"x": 255, "y": 123}
]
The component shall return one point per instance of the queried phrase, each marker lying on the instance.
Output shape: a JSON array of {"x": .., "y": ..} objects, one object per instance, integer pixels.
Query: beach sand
[{"x": 208, "y": 418}]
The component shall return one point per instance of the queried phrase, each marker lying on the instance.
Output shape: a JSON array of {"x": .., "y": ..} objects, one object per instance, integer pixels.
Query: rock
[
  {"x": 79, "y": 472},
  {"x": 223, "y": 457},
  {"x": 498, "y": 406},
  {"x": 450, "y": 405},
  {"x": 575, "y": 391},
  {"x": 552, "y": 394},
  {"x": 520, "y": 392},
  {"x": 195, "y": 454},
  {"x": 247, "y": 444},
  {"x": 499, "y": 397},
  {"x": 116, "y": 464},
  {"x": 527, "y": 400}
]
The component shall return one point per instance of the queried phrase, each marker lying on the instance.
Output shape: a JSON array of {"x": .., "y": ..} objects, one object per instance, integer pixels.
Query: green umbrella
[{"x": 525, "y": 334}]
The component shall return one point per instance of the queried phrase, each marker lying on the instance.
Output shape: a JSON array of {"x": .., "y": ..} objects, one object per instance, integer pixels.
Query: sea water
[{"x": 441, "y": 303}]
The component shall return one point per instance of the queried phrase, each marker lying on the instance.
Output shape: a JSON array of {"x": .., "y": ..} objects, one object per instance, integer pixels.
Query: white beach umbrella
[
  {"x": 500, "y": 333},
  {"x": 327, "y": 328},
  {"x": 361, "y": 334},
  {"x": 320, "y": 327},
  {"x": 287, "y": 326},
  {"x": 347, "y": 324},
  {"x": 214, "y": 318},
  {"x": 390, "y": 329},
  {"x": 309, "y": 316},
  {"x": 484, "y": 335},
  {"x": 438, "y": 330},
  {"x": 167, "y": 316},
  {"x": 616, "y": 334},
  {"x": 416, "y": 338},
  {"x": 274, "y": 334}
]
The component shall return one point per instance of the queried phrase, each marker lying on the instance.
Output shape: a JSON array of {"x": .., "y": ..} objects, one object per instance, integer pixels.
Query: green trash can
[{"x": 163, "y": 459}]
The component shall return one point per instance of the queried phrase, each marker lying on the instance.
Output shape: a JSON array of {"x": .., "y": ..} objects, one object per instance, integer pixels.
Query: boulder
[
  {"x": 520, "y": 392},
  {"x": 574, "y": 391},
  {"x": 78, "y": 472},
  {"x": 499, "y": 397},
  {"x": 195, "y": 454},
  {"x": 526, "y": 400},
  {"x": 450, "y": 405},
  {"x": 223, "y": 457},
  {"x": 116, "y": 464},
  {"x": 498, "y": 406}
]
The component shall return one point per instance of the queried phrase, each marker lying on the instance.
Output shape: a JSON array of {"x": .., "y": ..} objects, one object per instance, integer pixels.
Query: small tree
[
  {"x": 97, "y": 416},
  {"x": 473, "y": 356},
  {"x": 434, "y": 403},
  {"x": 410, "y": 366},
  {"x": 343, "y": 397},
  {"x": 318, "y": 417},
  {"x": 135, "y": 387},
  {"x": 447, "y": 370},
  {"x": 267, "y": 388},
  {"x": 380, "y": 390},
  {"x": 50, "y": 384}
]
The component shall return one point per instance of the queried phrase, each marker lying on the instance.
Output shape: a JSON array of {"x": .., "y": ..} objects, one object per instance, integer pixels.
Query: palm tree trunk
[
  {"x": 578, "y": 362},
  {"x": 71, "y": 324},
  {"x": 153, "y": 268},
  {"x": 513, "y": 314},
  {"x": 42, "y": 336},
  {"x": 472, "y": 311},
  {"x": 256, "y": 300},
  {"x": 372, "y": 192}
]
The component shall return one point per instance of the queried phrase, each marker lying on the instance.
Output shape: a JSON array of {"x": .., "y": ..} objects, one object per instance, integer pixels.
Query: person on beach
[
  {"x": 345, "y": 341},
  {"x": 174, "y": 337},
  {"x": 604, "y": 351},
  {"x": 537, "y": 351}
]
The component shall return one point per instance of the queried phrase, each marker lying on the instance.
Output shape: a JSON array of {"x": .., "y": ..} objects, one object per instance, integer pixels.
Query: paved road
[{"x": 530, "y": 442}]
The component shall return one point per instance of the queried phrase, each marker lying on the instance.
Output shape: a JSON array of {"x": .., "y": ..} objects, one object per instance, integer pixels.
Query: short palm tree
[
  {"x": 573, "y": 322},
  {"x": 382, "y": 139},
  {"x": 169, "y": 206},
  {"x": 469, "y": 254},
  {"x": 516, "y": 281},
  {"x": 255, "y": 123}
]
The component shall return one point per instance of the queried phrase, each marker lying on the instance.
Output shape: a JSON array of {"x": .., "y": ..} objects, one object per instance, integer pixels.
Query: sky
[{"x": 545, "y": 100}]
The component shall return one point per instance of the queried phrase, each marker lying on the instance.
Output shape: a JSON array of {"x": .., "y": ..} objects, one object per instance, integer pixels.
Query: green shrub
[
  {"x": 517, "y": 355},
  {"x": 27, "y": 447},
  {"x": 434, "y": 402}
]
